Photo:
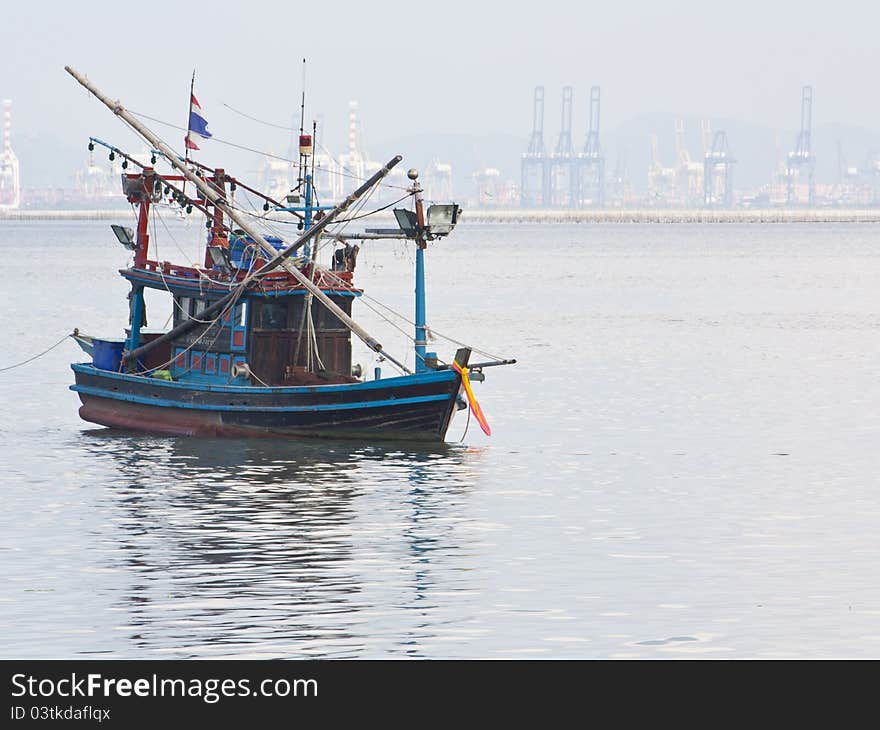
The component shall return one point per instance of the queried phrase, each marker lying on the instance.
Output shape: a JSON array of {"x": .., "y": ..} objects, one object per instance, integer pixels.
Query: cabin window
[
  {"x": 273, "y": 316},
  {"x": 321, "y": 316},
  {"x": 182, "y": 309},
  {"x": 325, "y": 319},
  {"x": 239, "y": 331},
  {"x": 188, "y": 307},
  {"x": 295, "y": 306},
  {"x": 240, "y": 315}
]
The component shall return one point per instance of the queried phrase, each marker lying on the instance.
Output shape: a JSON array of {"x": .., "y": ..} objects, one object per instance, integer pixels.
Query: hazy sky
[{"x": 422, "y": 67}]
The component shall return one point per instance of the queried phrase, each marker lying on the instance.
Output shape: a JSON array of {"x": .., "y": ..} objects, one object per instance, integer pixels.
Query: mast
[
  {"x": 420, "y": 341},
  {"x": 302, "y": 117},
  {"x": 192, "y": 91},
  {"x": 187, "y": 138},
  {"x": 137, "y": 306},
  {"x": 276, "y": 258},
  {"x": 305, "y": 150}
]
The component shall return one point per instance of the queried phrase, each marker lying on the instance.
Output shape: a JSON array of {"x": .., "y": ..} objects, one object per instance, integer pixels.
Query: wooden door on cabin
[{"x": 277, "y": 350}]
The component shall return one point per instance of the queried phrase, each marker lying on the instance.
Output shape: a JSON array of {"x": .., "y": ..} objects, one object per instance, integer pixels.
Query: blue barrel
[{"x": 107, "y": 354}]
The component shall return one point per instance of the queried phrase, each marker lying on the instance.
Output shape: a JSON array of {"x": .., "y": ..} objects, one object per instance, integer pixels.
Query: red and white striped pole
[{"x": 7, "y": 128}]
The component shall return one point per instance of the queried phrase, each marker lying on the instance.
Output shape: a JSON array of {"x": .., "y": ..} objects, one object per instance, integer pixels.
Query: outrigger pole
[{"x": 276, "y": 258}]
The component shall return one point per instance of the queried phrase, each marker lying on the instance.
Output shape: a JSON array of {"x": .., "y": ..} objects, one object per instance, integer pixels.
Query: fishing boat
[{"x": 260, "y": 343}]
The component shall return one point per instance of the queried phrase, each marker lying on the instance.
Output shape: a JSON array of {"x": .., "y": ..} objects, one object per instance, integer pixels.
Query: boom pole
[{"x": 276, "y": 258}]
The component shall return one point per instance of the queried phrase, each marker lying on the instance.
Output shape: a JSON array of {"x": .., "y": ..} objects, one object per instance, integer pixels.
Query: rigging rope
[
  {"x": 259, "y": 152},
  {"x": 371, "y": 212},
  {"x": 431, "y": 330},
  {"x": 31, "y": 359},
  {"x": 327, "y": 152},
  {"x": 254, "y": 119},
  {"x": 466, "y": 426}
]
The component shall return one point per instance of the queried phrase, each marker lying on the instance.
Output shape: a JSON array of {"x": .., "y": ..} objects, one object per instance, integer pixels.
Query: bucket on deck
[{"x": 107, "y": 354}]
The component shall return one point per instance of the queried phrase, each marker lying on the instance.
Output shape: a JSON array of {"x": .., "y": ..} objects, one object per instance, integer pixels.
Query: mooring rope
[
  {"x": 31, "y": 359},
  {"x": 466, "y": 426}
]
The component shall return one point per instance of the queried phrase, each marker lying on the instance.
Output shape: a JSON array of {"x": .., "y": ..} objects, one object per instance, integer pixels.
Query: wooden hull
[{"x": 410, "y": 408}]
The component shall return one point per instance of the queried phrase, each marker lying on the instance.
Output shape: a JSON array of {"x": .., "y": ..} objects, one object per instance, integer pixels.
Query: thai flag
[{"x": 197, "y": 124}]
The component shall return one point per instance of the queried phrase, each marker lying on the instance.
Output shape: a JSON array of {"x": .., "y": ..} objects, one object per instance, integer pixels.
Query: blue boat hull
[{"x": 411, "y": 408}]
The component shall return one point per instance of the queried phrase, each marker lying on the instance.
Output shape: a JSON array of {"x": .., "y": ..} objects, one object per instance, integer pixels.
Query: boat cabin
[{"x": 275, "y": 333}]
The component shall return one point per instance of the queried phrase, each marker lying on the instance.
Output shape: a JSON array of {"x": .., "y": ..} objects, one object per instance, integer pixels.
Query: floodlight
[
  {"x": 408, "y": 222},
  {"x": 442, "y": 219},
  {"x": 125, "y": 236},
  {"x": 220, "y": 258}
]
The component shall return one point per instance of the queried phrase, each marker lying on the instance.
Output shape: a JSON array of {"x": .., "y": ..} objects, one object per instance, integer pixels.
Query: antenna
[
  {"x": 314, "y": 143},
  {"x": 302, "y": 118}
]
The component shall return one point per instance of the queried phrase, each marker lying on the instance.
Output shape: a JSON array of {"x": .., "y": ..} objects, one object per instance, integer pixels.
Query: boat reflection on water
[{"x": 251, "y": 548}]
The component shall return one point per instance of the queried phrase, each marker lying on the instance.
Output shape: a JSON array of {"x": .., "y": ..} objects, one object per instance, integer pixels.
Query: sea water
[{"x": 684, "y": 462}]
